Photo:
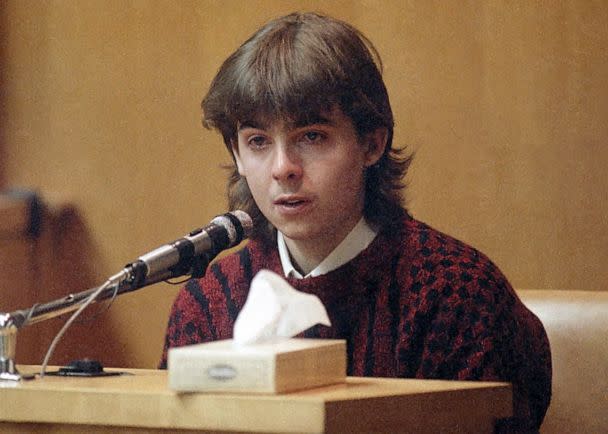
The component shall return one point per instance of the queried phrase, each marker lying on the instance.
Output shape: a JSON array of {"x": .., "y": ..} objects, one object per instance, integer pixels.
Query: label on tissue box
[{"x": 271, "y": 367}]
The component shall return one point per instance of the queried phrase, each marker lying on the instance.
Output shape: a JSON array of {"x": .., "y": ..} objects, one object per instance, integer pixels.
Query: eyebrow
[
  {"x": 303, "y": 121},
  {"x": 251, "y": 124},
  {"x": 312, "y": 119}
]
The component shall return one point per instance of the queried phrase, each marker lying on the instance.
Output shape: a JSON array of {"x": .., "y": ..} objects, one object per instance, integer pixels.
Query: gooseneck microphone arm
[{"x": 188, "y": 255}]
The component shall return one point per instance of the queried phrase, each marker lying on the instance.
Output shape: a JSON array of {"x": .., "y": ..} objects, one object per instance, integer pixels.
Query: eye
[
  {"x": 256, "y": 142},
  {"x": 313, "y": 136}
]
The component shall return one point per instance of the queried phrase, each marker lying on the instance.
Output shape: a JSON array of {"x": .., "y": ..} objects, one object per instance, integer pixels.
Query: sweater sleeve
[
  {"x": 188, "y": 322},
  {"x": 481, "y": 331},
  {"x": 205, "y": 309}
]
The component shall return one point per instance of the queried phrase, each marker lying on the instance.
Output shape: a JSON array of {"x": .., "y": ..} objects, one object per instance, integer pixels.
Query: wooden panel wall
[{"x": 505, "y": 104}]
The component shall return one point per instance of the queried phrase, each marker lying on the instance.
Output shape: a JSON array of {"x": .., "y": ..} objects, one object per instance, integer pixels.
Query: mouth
[{"x": 291, "y": 202}]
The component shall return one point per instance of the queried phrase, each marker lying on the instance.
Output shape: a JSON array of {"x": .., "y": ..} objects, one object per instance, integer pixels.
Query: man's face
[{"x": 308, "y": 180}]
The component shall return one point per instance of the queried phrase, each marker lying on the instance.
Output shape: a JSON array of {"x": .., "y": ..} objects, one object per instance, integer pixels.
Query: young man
[{"x": 303, "y": 109}]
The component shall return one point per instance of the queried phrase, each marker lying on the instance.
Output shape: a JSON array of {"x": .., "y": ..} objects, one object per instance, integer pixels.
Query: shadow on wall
[{"x": 59, "y": 262}]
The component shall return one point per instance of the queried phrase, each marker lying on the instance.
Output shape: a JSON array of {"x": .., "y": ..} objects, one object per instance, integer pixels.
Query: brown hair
[{"x": 296, "y": 67}]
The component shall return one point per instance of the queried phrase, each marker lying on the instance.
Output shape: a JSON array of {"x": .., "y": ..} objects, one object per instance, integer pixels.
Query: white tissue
[{"x": 274, "y": 309}]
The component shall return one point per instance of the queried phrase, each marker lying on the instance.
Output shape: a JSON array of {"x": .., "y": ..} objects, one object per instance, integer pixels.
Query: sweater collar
[{"x": 355, "y": 242}]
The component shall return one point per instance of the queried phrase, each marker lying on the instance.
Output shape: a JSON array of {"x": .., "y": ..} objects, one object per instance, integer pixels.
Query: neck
[
  {"x": 304, "y": 260},
  {"x": 307, "y": 254}
]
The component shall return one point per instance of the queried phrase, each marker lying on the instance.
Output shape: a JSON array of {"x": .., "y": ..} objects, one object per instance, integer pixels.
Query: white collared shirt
[{"x": 355, "y": 242}]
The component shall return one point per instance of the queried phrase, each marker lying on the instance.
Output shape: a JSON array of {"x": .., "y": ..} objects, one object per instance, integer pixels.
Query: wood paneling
[{"x": 504, "y": 104}]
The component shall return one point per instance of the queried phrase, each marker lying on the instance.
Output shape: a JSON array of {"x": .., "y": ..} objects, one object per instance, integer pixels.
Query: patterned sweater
[{"x": 416, "y": 303}]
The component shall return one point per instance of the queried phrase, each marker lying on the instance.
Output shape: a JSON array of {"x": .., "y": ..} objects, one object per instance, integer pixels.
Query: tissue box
[{"x": 276, "y": 367}]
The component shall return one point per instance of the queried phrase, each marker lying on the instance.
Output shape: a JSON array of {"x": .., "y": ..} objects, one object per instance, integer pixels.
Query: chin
[{"x": 297, "y": 231}]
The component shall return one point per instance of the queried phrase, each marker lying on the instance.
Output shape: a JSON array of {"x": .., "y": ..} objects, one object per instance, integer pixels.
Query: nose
[{"x": 286, "y": 164}]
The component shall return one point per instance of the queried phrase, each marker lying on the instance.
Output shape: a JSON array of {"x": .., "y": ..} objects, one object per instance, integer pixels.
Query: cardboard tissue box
[{"x": 277, "y": 366}]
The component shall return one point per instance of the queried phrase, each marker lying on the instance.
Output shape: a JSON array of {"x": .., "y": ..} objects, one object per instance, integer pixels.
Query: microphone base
[{"x": 8, "y": 342}]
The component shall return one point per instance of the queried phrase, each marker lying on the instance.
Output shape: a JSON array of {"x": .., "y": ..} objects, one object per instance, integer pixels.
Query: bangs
[
  {"x": 285, "y": 80},
  {"x": 296, "y": 69}
]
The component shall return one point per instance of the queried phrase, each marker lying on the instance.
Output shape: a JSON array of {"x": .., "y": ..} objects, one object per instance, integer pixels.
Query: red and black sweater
[{"x": 416, "y": 303}]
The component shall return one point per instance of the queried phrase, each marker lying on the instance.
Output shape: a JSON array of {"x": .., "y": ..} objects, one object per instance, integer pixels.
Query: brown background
[{"x": 504, "y": 103}]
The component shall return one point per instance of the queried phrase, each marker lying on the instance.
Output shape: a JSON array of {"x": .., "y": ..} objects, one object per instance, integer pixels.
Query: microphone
[{"x": 192, "y": 253}]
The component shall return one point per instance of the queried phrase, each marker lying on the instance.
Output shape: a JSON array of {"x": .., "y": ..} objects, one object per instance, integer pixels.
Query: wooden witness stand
[{"x": 141, "y": 402}]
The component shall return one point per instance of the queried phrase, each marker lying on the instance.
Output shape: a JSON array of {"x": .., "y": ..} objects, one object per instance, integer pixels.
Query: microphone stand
[
  {"x": 129, "y": 279},
  {"x": 170, "y": 260}
]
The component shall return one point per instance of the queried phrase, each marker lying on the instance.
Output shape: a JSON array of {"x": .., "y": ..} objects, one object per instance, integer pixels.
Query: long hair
[{"x": 296, "y": 67}]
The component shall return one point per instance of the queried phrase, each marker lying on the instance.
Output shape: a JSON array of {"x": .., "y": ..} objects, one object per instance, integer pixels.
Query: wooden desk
[{"x": 142, "y": 403}]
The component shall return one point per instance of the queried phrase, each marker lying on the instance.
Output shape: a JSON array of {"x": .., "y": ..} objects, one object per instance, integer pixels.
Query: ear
[
  {"x": 376, "y": 144},
  {"x": 237, "y": 157}
]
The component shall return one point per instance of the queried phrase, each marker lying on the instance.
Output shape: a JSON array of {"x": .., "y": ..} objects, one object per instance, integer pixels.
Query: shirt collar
[{"x": 355, "y": 242}]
